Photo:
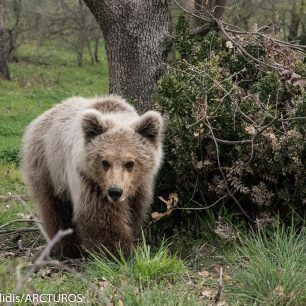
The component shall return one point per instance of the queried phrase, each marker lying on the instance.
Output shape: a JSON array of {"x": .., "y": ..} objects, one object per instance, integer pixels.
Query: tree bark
[
  {"x": 4, "y": 69},
  {"x": 8, "y": 37},
  {"x": 136, "y": 40},
  {"x": 96, "y": 53},
  {"x": 294, "y": 22}
]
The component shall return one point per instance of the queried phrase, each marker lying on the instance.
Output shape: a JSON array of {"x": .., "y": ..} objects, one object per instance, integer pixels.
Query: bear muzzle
[{"x": 115, "y": 193}]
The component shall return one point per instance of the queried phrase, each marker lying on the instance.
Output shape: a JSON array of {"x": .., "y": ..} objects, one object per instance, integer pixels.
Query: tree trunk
[
  {"x": 4, "y": 69},
  {"x": 96, "y": 53},
  {"x": 136, "y": 40},
  {"x": 294, "y": 23}
]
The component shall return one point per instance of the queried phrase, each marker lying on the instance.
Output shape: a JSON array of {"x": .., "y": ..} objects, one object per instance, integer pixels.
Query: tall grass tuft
[
  {"x": 157, "y": 265},
  {"x": 145, "y": 266},
  {"x": 270, "y": 268}
]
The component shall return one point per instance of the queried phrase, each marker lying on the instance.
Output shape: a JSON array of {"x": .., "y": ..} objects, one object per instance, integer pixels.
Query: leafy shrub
[{"x": 234, "y": 125}]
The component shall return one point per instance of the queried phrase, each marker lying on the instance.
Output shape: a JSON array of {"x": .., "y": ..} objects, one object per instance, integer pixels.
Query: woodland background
[{"x": 227, "y": 225}]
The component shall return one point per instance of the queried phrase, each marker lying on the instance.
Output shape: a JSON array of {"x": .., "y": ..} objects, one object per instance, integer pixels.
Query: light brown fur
[{"x": 74, "y": 153}]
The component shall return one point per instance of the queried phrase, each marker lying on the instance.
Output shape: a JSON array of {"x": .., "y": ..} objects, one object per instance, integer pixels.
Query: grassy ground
[{"x": 222, "y": 265}]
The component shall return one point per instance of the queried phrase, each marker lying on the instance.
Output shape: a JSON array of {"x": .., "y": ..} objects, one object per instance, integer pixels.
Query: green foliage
[
  {"x": 270, "y": 268},
  {"x": 145, "y": 267},
  {"x": 156, "y": 265},
  {"x": 216, "y": 96}
]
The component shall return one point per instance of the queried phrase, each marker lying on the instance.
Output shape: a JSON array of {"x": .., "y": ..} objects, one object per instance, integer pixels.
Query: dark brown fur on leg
[{"x": 56, "y": 215}]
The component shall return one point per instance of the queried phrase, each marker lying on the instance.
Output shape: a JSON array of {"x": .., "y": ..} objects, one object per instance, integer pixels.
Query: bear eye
[
  {"x": 129, "y": 165},
  {"x": 105, "y": 164}
]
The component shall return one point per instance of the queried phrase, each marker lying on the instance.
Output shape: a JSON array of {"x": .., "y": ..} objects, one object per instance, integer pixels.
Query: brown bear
[{"x": 91, "y": 166}]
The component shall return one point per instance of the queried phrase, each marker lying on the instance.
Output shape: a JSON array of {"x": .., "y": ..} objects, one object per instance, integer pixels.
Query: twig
[
  {"x": 220, "y": 287},
  {"x": 40, "y": 260},
  {"x": 20, "y": 229},
  {"x": 188, "y": 12},
  {"x": 229, "y": 142},
  {"x": 242, "y": 32},
  {"x": 17, "y": 221},
  {"x": 245, "y": 141},
  {"x": 202, "y": 207},
  {"x": 223, "y": 175}
]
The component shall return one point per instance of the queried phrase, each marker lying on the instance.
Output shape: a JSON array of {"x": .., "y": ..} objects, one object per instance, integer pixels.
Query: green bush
[{"x": 234, "y": 126}]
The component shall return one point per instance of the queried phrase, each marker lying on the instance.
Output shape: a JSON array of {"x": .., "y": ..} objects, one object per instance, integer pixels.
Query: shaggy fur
[{"x": 75, "y": 152}]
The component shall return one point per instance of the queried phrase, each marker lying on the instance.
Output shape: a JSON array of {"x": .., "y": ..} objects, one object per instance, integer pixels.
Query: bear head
[{"x": 123, "y": 151}]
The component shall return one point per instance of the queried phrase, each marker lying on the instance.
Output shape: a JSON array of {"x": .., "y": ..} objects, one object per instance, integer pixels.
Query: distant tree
[
  {"x": 297, "y": 20},
  {"x": 71, "y": 23},
  {"x": 9, "y": 32},
  {"x": 4, "y": 69},
  {"x": 81, "y": 29}
]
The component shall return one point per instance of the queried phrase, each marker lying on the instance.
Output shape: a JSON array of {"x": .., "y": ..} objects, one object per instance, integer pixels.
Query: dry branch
[
  {"x": 21, "y": 282},
  {"x": 16, "y": 221},
  {"x": 19, "y": 229},
  {"x": 12, "y": 197},
  {"x": 215, "y": 22}
]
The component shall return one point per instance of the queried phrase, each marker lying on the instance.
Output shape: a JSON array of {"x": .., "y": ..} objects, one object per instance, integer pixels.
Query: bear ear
[
  {"x": 93, "y": 125},
  {"x": 150, "y": 125}
]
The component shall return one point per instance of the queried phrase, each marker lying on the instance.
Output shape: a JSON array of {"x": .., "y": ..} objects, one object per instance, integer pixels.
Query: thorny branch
[{"x": 208, "y": 16}]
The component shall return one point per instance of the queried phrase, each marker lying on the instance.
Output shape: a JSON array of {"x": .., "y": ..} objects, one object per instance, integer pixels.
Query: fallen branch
[
  {"x": 220, "y": 288},
  {"x": 17, "y": 221},
  {"x": 20, "y": 229},
  {"x": 12, "y": 197},
  {"x": 218, "y": 24}
]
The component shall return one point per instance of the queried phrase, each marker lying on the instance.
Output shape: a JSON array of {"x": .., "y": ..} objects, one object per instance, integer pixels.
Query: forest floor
[{"x": 221, "y": 265}]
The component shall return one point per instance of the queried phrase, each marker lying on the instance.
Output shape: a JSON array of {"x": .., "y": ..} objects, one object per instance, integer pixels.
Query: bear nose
[{"x": 115, "y": 193}]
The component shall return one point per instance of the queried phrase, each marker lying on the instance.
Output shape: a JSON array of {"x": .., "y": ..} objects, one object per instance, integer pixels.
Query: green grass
[
  {"x": 36, "y": 88},
  {"x": 133, "y": 282},
  {"x": 270, "y": 268},
  {"x": 147, "y": 266},
  {"x": 154, "y": 277}
]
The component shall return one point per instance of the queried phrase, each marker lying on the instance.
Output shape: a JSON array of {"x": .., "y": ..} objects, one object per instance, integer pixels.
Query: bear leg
[{"x": 57, "y": 215}]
